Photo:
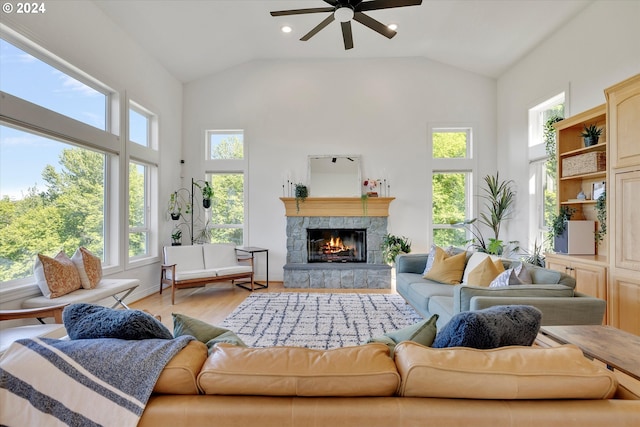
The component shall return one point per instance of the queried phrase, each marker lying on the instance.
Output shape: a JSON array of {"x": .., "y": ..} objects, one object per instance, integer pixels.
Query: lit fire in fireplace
[{"x": 334, "y": 246}]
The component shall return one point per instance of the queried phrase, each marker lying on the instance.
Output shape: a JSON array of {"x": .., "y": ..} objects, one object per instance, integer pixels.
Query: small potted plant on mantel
[
  {"x": 301, "y": 193},
  {"x": 591, "y": 135}
]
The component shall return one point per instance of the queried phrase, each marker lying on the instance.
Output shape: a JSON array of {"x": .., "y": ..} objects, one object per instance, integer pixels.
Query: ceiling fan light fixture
[
  {"x": 343, "y": 14},
  {"x": 286, "y": 29}
]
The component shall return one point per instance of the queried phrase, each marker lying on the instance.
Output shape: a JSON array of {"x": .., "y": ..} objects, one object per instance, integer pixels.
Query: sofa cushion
[
  {"x": 186, "y": 258},
  {"x": 447, "y": 269},
  {"x": 56, "y": 276},
  {"x": 463, "y": 294},
  {"x": 89, "y": 267},
  {"x": 505, "y": 373},
  {"x": 180, "y": 375},
  {"x": 365, "y": 370},
  {"x": 87, "y": 321},
  {"x": 192, "y": 274},
  {"x": 238, "y": 269},
  {"x": 498, "y": 326},
  {"x": 218, "y": 255},
  {"x": 485, "y": 272}
]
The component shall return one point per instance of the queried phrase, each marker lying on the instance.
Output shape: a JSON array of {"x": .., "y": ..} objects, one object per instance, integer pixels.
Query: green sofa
[{"x": 552, "y": 292}]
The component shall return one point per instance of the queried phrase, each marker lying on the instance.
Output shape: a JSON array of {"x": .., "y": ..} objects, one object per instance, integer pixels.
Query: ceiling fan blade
[
  {"x": 347, "y": 36},
  {"x": 328, "y": 20},
  {"x": 386, "y": 4},
  {"x": 376, "y": 26},
  {"x": 302, "y": 11},
  {"x": 332, "y": 2}
]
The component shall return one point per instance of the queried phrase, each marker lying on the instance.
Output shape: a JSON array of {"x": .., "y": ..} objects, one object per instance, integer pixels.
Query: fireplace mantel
[{"x": 338, "y": 206}]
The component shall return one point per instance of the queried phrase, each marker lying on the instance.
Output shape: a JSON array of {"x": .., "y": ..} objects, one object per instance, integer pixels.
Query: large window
[
  {"x": 451, "y": 183},
  {"x": 53, "y": 198},
  {"x": 542, "y": 166},
  {"x": 62, "y": 182},
  {"x": 226, "y": 169},
  {"x": 58, "y": 89}
]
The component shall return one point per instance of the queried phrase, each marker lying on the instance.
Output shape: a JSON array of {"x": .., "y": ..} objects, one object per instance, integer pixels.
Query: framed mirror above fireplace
[{"x": 334, "y": 175}]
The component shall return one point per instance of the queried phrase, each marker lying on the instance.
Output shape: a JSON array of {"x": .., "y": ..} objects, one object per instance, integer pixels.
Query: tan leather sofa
[{"x": 363, "y": 386}]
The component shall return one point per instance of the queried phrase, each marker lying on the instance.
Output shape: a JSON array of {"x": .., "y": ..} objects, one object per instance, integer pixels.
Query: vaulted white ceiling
[{"x": 196, "y": 38}]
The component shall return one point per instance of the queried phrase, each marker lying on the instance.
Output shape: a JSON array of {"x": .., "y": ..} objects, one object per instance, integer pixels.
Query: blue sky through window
[{"x": 24, "y": 155}]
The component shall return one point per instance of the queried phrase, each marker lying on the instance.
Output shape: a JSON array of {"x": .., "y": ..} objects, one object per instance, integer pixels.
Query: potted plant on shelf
[
  {"x": 591, "y": 135},
  {"x": 559, "y": 228},
  {"x": 176, "y": 237},
  {"x": 392, "y": 246},
  {"x": 301, "y": 193}
]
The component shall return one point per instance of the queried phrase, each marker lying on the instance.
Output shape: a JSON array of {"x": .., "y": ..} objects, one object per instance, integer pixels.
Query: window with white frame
[
  {"x": 142, "y": 140},
  {"x": 226, "y": 170},
  {"x": 542, "y": 166},
  {"x": 451, "y": 184},
  {"x": 61, "y": 181}
]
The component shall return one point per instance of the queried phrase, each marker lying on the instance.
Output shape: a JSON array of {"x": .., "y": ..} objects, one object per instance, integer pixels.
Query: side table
[{"x": 252, "y": 250}]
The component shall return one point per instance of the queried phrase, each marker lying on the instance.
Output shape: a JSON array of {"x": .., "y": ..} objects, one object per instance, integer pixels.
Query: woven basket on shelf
[{"x": 584, "y": 163}]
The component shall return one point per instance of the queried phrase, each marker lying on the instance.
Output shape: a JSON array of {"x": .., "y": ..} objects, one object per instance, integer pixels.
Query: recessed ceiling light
[
  {"x": 392, "y": 26},
  {"x": 286, "y": 29}
]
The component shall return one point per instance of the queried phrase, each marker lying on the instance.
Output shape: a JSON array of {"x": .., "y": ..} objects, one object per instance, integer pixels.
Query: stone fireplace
[{"x": 314, "y": 261}]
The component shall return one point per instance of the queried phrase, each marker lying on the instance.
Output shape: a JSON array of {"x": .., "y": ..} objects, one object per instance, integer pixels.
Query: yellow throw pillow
[
  {"x": 485, "y": 272},
  {"x": 447, "y": 269}
]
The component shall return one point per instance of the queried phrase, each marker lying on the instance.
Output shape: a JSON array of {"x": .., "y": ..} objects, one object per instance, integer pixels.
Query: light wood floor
[{"x": 214, "y": 302}]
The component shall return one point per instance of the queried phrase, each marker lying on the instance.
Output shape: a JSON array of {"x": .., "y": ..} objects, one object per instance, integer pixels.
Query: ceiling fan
[{"x": 346, "y": 10}]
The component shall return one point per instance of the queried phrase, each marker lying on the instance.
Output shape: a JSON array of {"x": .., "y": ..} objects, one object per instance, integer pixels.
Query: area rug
[{"x": 318, "y": 320}]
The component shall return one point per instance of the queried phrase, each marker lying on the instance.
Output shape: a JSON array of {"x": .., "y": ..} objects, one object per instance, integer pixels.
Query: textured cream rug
[{"x": 318, "y": 320}]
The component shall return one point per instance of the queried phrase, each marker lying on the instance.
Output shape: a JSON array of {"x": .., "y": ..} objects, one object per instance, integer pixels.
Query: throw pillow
[
  {"x": 492, "y": 327},
  {"x": 87, "y": 321},
  {"x": 517, "y": 275},
  {"x": 422, "y": 332},
  {"x": 485, "y": 272},
  {"x": 447, "y": 269},
  {"x": 89, "y": 267},
  {"x": 56, "y": 276},
  {"x": 203, "y": 331},
  {"x": 432, "y": 253}
]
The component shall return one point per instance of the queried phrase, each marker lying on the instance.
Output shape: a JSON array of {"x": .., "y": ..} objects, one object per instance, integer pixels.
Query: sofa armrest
[
  {"x": 462, "y": 294},
  {"x": 411, "y": 263},
  {"x": 577, "y": 310}
]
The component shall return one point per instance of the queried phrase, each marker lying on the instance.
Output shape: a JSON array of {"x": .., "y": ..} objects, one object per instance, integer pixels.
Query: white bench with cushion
[
  {"x": 119, "y": 289},
  {"x": 196, "y": 265}
]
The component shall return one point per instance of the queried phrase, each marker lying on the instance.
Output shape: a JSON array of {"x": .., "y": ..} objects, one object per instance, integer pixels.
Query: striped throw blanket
[{"x": 93, "y": 382}]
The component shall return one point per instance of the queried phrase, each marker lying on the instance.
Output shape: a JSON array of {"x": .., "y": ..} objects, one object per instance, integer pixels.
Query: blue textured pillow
[
  {"x": 87, "y": 321},
  {"x": 492, "y": 327}
]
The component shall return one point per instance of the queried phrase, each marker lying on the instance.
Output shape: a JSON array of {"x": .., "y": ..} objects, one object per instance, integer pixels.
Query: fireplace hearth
[{"x": 336, "y": 245}]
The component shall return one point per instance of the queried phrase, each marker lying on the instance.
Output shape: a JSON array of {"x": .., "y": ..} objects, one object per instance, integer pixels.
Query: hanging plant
[
  {"x": 207, "y": 193},
  {"x": 601, "y": 214}
]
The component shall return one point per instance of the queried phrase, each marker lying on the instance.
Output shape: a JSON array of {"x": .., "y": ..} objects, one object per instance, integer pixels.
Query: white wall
[
  {"x": 380, "y": 109},
  {"x": 82, "y": 35},
  {"x": 595, "y": 50}
]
